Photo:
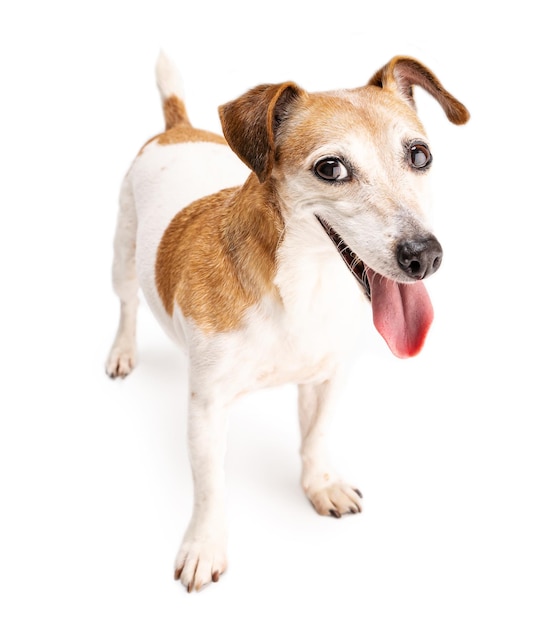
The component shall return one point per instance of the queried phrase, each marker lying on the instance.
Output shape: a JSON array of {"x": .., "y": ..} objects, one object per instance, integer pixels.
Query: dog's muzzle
[{"x": 402, "y": 311}]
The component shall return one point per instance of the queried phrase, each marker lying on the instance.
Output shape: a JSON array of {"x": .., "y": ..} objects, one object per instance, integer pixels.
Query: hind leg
[{"x": 122, "y": 357}]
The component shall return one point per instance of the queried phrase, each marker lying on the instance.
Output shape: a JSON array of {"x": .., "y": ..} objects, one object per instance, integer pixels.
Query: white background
[{"x": 95, "y": 487}]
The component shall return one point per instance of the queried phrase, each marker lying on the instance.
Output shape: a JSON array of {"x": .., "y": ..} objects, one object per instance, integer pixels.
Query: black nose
[{"x": 419, "y": 258}]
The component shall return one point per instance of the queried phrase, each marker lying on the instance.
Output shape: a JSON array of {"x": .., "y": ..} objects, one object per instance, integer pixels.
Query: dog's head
[{"x": 356, "y": 161}]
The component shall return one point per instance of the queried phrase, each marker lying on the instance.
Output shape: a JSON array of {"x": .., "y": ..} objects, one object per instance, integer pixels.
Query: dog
[{"x": 260, "y": 252}]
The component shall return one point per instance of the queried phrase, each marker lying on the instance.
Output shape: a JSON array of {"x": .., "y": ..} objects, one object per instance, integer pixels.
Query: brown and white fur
[{"x": 241, "y": 265}]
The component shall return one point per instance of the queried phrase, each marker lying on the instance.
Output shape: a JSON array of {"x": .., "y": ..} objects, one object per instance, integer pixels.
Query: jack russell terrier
[{"x": 263, "y": 274}]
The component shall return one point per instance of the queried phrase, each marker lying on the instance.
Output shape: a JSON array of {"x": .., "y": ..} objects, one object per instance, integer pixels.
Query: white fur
[{"x": 168, "y": 79}]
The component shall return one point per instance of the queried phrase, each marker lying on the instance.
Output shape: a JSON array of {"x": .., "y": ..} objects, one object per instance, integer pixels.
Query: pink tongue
[{"x": 402, "y": 313}]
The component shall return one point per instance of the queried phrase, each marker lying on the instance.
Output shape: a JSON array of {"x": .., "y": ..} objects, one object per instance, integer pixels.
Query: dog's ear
[
  {"x": 250, "y": 123},
  {"x": 402, "y": 72}
]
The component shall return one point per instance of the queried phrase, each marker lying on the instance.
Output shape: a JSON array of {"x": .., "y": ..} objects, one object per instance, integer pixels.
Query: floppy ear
[
  {"x": 250, "y": 123},
  {"x": 402, "y": 72}
]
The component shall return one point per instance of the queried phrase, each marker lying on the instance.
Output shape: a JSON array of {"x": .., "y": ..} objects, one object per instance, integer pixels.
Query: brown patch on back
[
  {"x": 178, "y": 126},
  {"x": 218, "y": 256},
  {"x": 184, "y": 134},
  {"x": 181, "y": 134}
]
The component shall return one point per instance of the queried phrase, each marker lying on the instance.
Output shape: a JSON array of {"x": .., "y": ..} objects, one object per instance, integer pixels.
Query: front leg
[
  {"x": 202, "y": 555},
  {"x": 329, "y": 494}
]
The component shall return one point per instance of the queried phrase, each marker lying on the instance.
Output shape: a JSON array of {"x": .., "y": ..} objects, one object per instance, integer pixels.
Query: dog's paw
[
  {"x": 121, "y": 361},
  {"x": 334, "y": 498},
  {"x": 199, "y": 563}
]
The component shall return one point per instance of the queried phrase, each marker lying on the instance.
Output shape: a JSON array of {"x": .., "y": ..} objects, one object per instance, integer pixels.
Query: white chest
[{"x": 301, "y": 337}]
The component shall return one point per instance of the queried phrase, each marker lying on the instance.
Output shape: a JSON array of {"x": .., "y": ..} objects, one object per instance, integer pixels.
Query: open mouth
[
  {"x": 352, "y": 260},
  {"x": 402, "y": 312}
]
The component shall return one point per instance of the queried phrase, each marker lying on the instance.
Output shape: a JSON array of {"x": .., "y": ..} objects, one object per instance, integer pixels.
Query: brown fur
[
  {"x": 184, "y": 134},
  {"x": 217, "y": 257},
  {"x": 181, "y": 134},
  {"x": 403, "y": 72},
  {"x": 250, "y": 123},
  {"x": 174, "y": 112},
  {"x": 321, "y": 117}
]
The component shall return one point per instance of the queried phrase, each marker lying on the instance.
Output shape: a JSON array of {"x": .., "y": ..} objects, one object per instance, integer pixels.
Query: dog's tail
[{"x": 171, "y": 91}]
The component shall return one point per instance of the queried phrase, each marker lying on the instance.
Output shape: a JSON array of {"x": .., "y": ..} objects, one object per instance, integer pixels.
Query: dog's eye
[
  {"x": 331, "y": 169},
  {"x": 420, "y": 156}
]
